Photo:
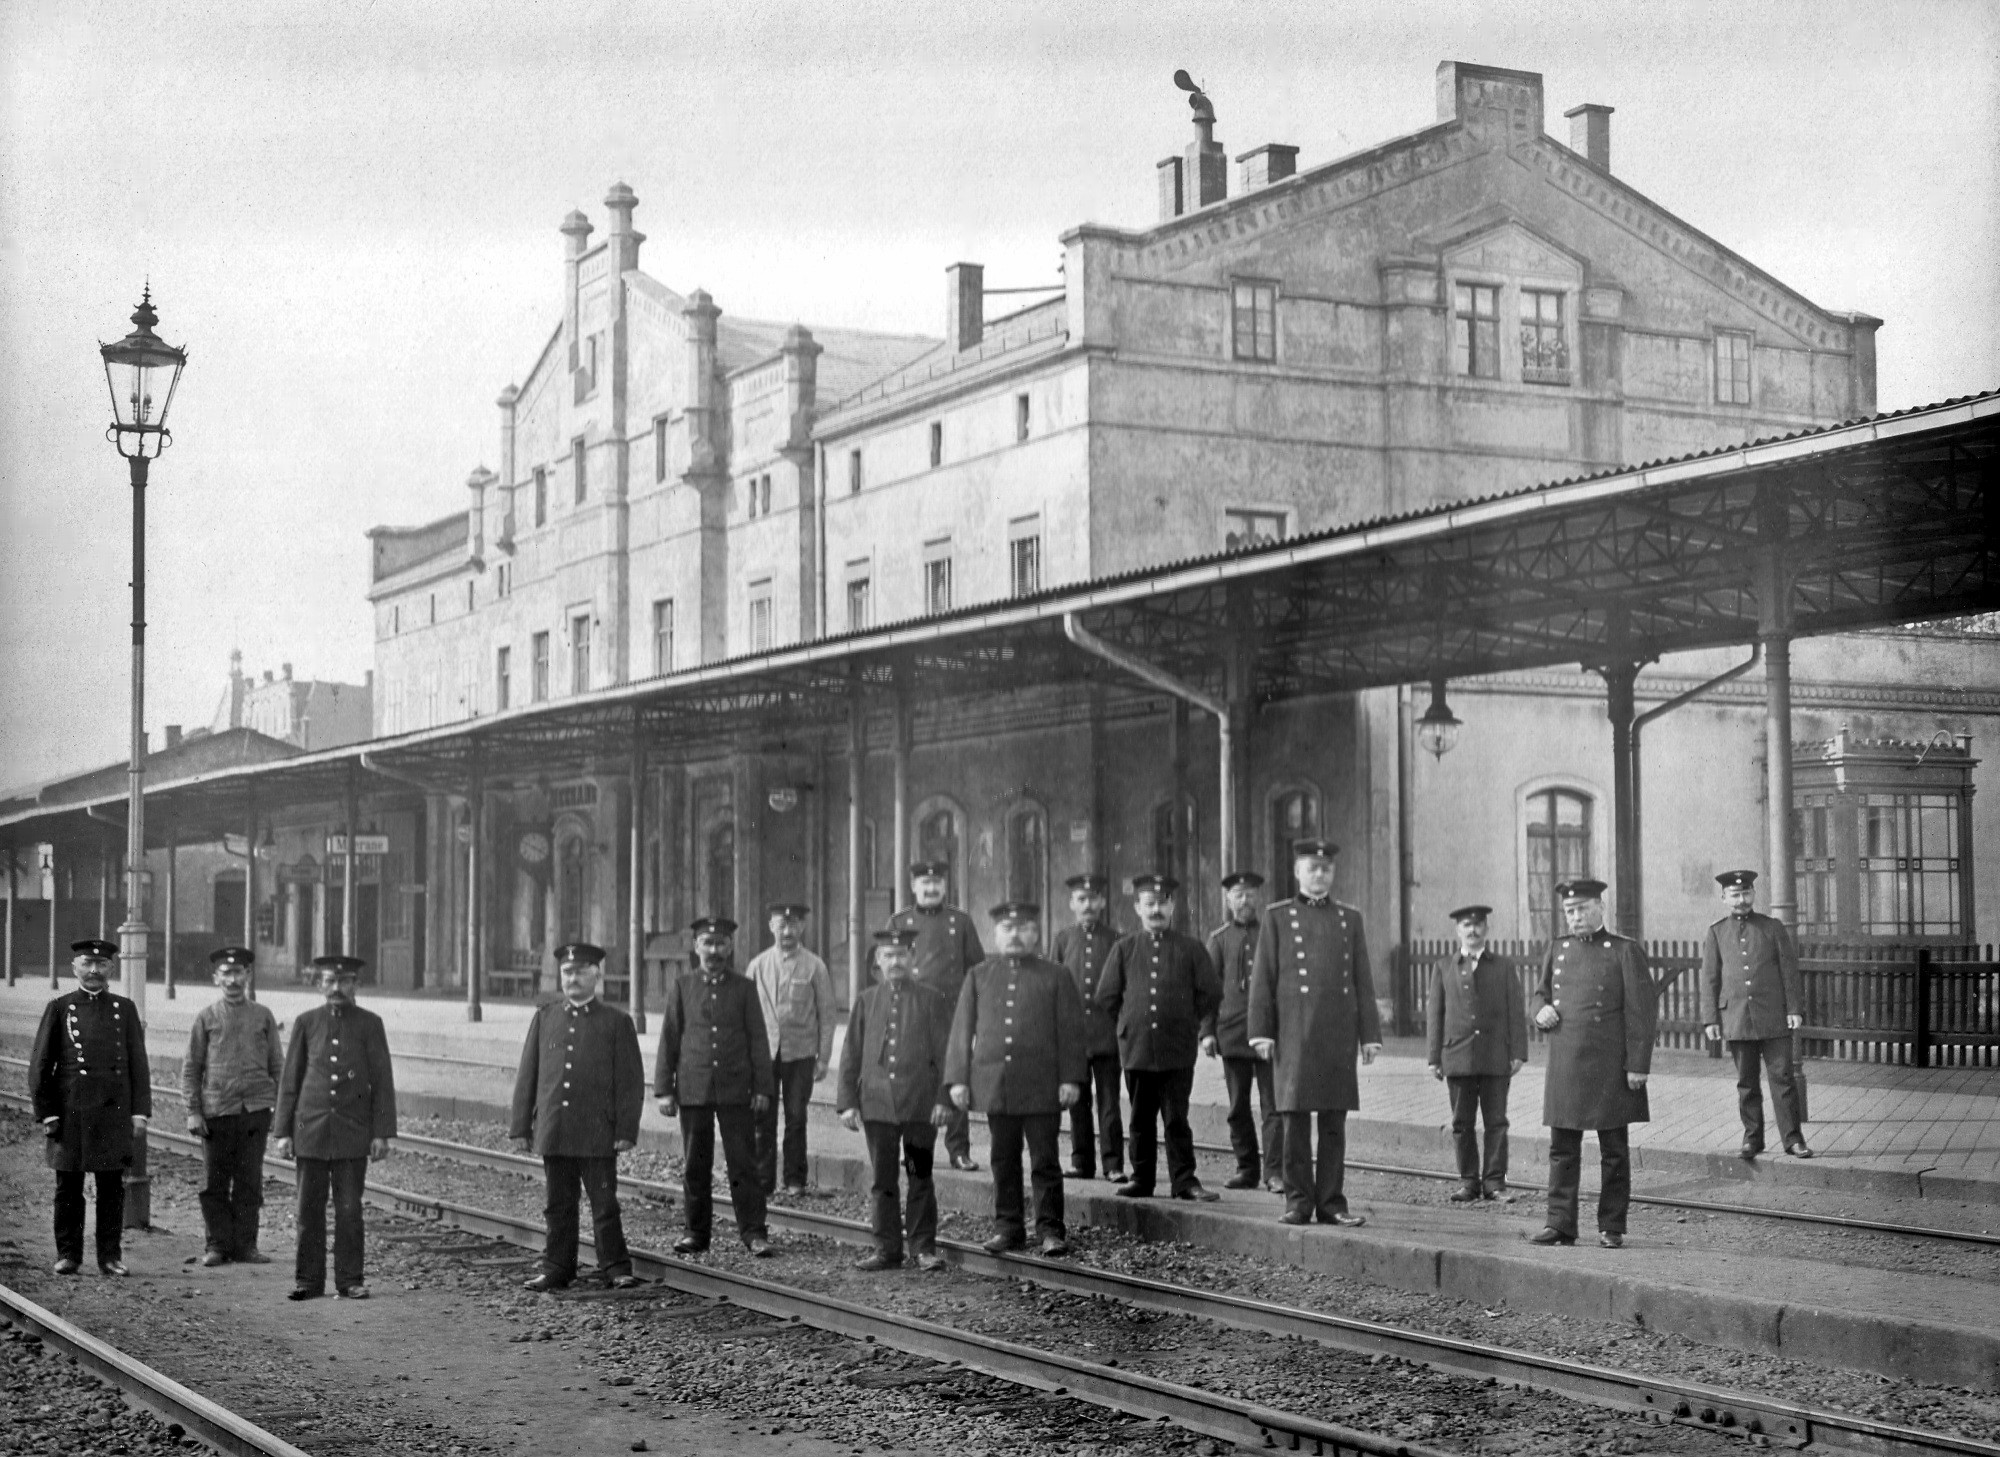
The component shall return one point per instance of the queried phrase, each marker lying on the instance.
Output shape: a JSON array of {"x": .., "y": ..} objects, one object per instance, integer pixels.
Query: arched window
[
  {"x": 1558, "y": 828},
  {"x": 941, "y": 836},
  {"x": 1028, "y": 853},
  {"x": 719, "y": 870},
  {"x": 572, "y": 865},
  {"x": 1177, "y": 851},
  {"x": 1294, "y": 816}
]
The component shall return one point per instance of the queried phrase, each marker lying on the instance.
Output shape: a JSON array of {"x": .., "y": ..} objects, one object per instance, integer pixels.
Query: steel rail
[{"x": 146, "y": 1388}]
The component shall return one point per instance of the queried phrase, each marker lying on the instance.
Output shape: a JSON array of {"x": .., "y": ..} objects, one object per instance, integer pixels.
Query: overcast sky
[{"x": 348, "y": 213}]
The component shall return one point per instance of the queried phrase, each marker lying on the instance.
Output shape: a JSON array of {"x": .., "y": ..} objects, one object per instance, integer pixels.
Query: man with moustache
[
  {"x": 1232, "y": 947},
  {"x": 229, "y": 1081},
  {"x": 1753, "y": 999},
  {"x": 947, "y": 947},
  {"x": 1477, "y": 1024},
  {"x": 1161, "y": 987},
  {"x": 92, "y": 1093},
  {"x": 577, "y": 1099},
  {"x": 1082, "y": 948},
  {"x": 336, "y": 1111},
  {"x": 796, "y": 995}
]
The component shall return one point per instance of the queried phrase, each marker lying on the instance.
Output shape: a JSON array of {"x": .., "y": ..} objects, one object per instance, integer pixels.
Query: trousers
[
  {"x": 913, "y": 1146},
  {"x": 1042, "y": 1133},
  {"x": 1775, "y": 1056},
  {"x": 565, "y": 1179},
  {"x": 232, "y": 1192},
  {"x": 1161, "y": 1097},
  {"x": 1238, "y": 1075},
  {"x": 110, "y": 1215},
  {"x": 1482, "y": 1098},
  {"x": 1614, "y": 1199},
  {"x": 1316, "y": 1179},
  {"x": 1095, "y": 1115},
  {"x": 344, "y": 1179},
  {"x": 795, "y": 1088},
  {"x": 739, "y": 1152}
]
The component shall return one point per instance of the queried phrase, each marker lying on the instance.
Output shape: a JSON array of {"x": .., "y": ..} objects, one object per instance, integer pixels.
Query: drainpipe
[
  {"x": 1167, "y": 683},
  {"x": 1639, "y": 723}
]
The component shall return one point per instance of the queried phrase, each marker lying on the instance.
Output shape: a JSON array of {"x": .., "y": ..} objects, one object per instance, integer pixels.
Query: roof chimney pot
[{"x": 1261, "y": 166}]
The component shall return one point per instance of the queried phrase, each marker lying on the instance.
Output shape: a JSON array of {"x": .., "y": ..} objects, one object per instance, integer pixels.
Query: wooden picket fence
[{"x": 1915, "y": 1005}]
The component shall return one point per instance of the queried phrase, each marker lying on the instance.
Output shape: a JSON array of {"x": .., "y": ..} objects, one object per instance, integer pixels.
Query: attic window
[{"x": 1732, "y": 368}]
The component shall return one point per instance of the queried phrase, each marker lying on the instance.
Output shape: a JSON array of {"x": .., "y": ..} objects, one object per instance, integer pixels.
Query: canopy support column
[
  {"x": 173, "y": 888},
  {"x": 348, "y": 896},
  {"x": 635, "y": 927},
  {"x": 899, "y": 872},
  {"x": 55, "y": 897},
  {"x": 13, "y": 899},
  {"x": 857, "y": 748},
  {"x": 1619, "y": 678},
  {"x": 1774, "y": 636},
  {"x": 475, "y": 814}
]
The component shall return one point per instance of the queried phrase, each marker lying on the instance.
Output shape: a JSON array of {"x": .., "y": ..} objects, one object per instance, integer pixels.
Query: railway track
[
  {"x": 1729, "y": 1413},
  {"x": 144, "y": 1387}
]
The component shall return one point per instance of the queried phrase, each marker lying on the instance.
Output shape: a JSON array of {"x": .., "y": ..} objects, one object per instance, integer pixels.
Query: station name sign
[{"x": 363, "y": 844}]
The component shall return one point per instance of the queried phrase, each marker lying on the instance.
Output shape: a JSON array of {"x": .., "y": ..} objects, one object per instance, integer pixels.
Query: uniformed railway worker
[
  {"x": 1477, "y": 1020},
  {"x": 1753, "y": 998},
  {"x": 92, "y": 1092},
  {"x": 336, "y": 1111},
  {"x": 796, "y": 996},
  {"x": 1082, "y": 948},
  {"x": 1595, "y": 1004},
  {"x": 1017, "y": 1053},
  {"x": 1312, "y": 1007},
  {"x": 577, "y": 1099},
  {"x": 892, "y": 1089},
  {"x": 714, "y": 1071},
  {"x": 948, "y": 946},
  {"x": 1161, "y": 987},
  {"x": 229, "y": 1081},
  {"x": 1232, "y": 947}
]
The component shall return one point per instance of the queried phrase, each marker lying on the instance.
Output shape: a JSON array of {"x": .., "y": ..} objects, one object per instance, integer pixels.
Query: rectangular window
[
  {"x": 1246, "y": 528},
  {"x": 1255, "y": 310},
  {"x": 937, "y": 444},
  {"x": 1732, "y": 369},
  {"x": 1024, "y": 556},
  {"x": 750, "y": 497},
  {"x": 937, "y": 577},
  {"x": 579, "y": 653},
  {"x": 1476, "y": 329},
  {"x": 1020, "y": 417},
  {"x": 760, "y": 616},
  {"x": 541, "y": 496},
  {"x": 853, "y": 472},
  {"x": 663, "y": 635},
  {"x": 660, "y": 448},
  {"x": 857, "y": 604},
  {"x": 1544, "y": 345},
  {"x": 764, "y": 492},
  {"x": 503, "y": 679},
  {"x": 538, "y": 686},
  {"x": 503, "y": 579},
  {"x": 577, "y": 462}
]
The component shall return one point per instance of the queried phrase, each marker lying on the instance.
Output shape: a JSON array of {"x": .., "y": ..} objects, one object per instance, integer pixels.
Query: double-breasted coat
[
  {"x": 581, "y": 1084},
  {"x": 948, "y": 946},
  {"x": 1477, "y": 1016},
  {"x": 892, "y": 1061},
  {"x": 1602, "y": 989},
  {"x": 1162, "y": 989},
  {"x": 1017, "y": 1036},
  {"x": 1232, "y": 948},
  {"x": 715, "y": 1051},
  {"x": 1313, "y": 995},
  {"x": 1083, "y": 952},
  {"x": 1750, "y": 978},
  {"x": 89, "y": 1070},
  {"x": 338, "y": 1091}
]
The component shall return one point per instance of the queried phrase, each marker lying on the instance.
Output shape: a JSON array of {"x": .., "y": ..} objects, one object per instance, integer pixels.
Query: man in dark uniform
[
  {"x": 1232, "y": 946},
  {"x": 892, "y": 1088},
  {"x": 1595, "y": 1003},
  {"x": 93, "y": 1092},
  {"x": 229, "y": 1083},
  {"x": 577, "y": 1098},
  {"x": 1017, "y": 1051},
  {"x": 1753, "y": 998},
  {"x": 714, "y": 1070},
  {"x": 948, "y": 946},
  {"x": 1082, "y": 949},
  {"x": 336, "y": 1110},
  {"x": 1312, "y": 1006},
  {"x": 1161, "y": 987},
  {"x": 1477, "y": 1019}
]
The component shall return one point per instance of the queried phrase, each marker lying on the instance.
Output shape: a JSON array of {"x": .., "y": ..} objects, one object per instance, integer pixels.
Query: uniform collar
[
  {"x": 1473, "y": 957},
  {"x": 94, "y": 996},
  {"x": 936, "y": 910},
  {"x": 1321, "y": 904},
  {"x": 573, "y": 1008}
]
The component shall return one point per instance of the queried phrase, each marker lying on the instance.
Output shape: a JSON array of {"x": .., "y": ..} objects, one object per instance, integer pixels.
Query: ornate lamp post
[
  {"x": 143, "y": 373},
  {"x": 1438, "y": 729}
]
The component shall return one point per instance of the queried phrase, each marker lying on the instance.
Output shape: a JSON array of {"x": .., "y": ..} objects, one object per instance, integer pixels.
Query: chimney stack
[
  {"x": 964, "y": 305},
  {"x": 1261, "y": 166},
  {"x": 1171, "y": 203},
  {"x": 1590, "y": 133},
  {"x": 173, "y": 736},
  {"x": 288, "y": 672}
]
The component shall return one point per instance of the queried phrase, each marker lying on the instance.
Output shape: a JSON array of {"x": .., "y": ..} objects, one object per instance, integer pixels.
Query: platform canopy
[{"x": 1889, "y": 520}]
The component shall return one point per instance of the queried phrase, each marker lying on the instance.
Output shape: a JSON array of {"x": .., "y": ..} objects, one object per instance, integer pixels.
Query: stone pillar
[
  {"x": 707, "y": 473},
  {"x": 635, "y": 956},
  {"x": 857, "y": 910},
  {"x": 801, "y": 357},
  {"x": 899, "y": 870}
]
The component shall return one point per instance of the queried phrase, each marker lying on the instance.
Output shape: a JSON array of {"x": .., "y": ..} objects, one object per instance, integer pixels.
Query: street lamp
[
  {"x": 143, "y": 373},
  {"x": 1437, "y": 730}
]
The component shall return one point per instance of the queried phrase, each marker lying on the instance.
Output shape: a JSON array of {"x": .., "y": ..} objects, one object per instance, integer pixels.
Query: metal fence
[{"x": 1918, "y": 1006}]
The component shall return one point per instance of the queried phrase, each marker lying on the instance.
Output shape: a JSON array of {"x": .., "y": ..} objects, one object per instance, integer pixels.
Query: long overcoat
[
  {"x": 338, "y": 1090},
  {"x": 1083, "y": 952},
  {"x": 1233, "y": 948},
  {"x": 1312, "y": 993},
  {"x": 714, "y": 1048},
  {"x": 1602, "y": 989},
  {"x": 948, "y": 946},
  {"x": 1017, "y": 1036},
  {"x": 1750, "y": 978},
  {"x": 1476, "y": 1016},
  {"x": 892, "y": 1061},
  {"x": 89, "y": 1070},
  {"x": 581, "y": 1084},
  {"x": 1164, "y": 992}
]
